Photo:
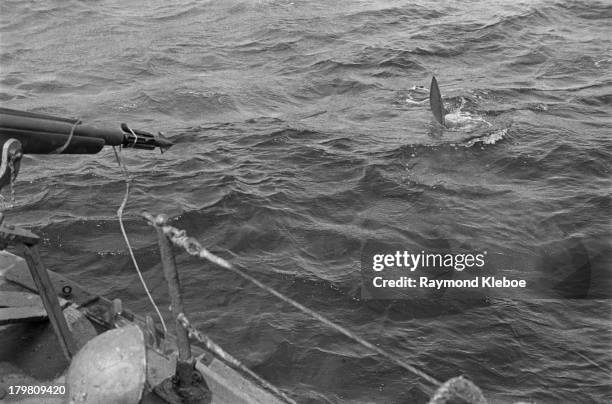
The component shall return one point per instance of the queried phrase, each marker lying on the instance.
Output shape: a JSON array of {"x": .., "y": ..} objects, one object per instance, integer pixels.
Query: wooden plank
[
  {"x": 13, "y": 315},
  {"x": 17, "y": 235},
  {"x": 19, "y": 299},
  {"x": 48, "y": 295},
  {"x": 229, "y": 386}
]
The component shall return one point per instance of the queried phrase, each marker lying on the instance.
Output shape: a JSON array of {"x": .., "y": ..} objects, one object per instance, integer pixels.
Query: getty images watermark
[
  {"x": 458, "y": 262},
  {"x": 568, "y": 268},
  {"x": 405, "y": 274}
]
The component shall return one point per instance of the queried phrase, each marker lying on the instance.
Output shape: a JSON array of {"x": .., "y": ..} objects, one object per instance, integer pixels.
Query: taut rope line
[{"x": 194, "y": 248}]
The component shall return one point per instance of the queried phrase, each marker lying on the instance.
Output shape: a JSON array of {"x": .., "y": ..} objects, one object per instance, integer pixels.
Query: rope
[
  {"x": 127, "y": 241},
  {"x": 11, "y": 165},
  {"x": 135, "y": 142},
  {"x": 61, "y": 149},
  {"x": 217, "y": 350},
  {"x": 193, "y": 247}
]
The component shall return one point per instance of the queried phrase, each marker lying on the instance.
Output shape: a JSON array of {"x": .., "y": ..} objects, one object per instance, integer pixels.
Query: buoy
[{"x": 110, "y": 369}]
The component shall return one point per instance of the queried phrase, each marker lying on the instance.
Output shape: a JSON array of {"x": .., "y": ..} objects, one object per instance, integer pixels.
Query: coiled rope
[
  {"x": 128, "y": 180},
  {"x": 194, "y": 248}
]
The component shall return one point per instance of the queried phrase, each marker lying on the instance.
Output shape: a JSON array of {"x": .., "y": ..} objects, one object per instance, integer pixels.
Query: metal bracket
[
  {"x": 172, "y": 391},
  {"x": 10, "y": 157},
  {"x": 10, "y": 234}
]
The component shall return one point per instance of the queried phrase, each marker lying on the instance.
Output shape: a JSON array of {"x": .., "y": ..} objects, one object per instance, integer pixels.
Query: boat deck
[{"x": 30, "y": 352}]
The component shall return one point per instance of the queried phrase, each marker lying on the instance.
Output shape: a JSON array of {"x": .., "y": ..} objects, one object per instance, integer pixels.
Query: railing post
[
  {"x": 190, "y": 387},
  {"x": 176, "y": 299}
]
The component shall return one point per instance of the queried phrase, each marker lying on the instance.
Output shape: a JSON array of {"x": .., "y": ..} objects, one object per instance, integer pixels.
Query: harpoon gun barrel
[{"x": 45, "y": 134}]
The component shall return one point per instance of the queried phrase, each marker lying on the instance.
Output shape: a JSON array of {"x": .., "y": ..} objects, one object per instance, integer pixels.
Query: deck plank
[
  {"x": 19, "y": 299},
  {"x": 12, "y": 315}
]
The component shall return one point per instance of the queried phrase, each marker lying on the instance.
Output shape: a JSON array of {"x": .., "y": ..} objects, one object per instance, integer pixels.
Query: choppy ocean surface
[{"x": 303, "y": 133}]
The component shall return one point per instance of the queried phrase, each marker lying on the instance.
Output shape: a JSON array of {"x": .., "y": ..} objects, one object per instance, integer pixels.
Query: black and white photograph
[{"x": 304, "y": 202}]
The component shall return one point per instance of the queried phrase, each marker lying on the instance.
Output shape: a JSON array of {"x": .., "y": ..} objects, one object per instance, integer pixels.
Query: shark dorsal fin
[{"x": 435, "y": 101}]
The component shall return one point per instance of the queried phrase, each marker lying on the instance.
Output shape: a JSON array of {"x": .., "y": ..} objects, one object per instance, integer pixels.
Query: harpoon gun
[{"x": 32, "y": 133}]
